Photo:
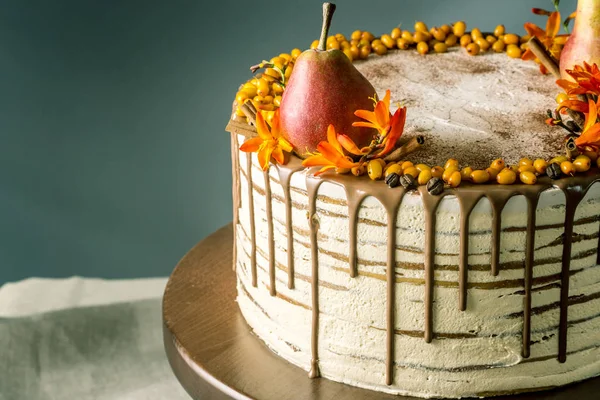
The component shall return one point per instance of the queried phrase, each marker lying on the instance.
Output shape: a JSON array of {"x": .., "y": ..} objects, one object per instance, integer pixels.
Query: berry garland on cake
[{"x": 260, "y": 99}]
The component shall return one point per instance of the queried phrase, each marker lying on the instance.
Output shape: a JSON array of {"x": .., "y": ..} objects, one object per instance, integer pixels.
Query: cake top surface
[{"x": 474, "y": 109}]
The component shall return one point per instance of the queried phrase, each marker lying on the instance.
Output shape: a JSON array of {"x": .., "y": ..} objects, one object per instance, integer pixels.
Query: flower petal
[
  {"x": 332, "y": 139},
  {"x": 591, "y": 116},
  {"x": 331, "y": 154},
  {"x": 315, "y": 161},
  {"x": 264, "y": 156},
  {"x": 278, "y": 155},
  {"x": 590, "y": 137},
  {"x": 364, "y": 124},
  {"x": 534, "y": 30},
  {"x": 262, "y": 128},
  {"x": 251, "y": 145},
  {"x": 575, "y": 105},
  {"x": 324, "y": 169},
  {"x": 397, "y": 128},
  {"x": 366, "y": 115},
  {"x": 285, "y": 145},
  {"x": 553, "y": 24},
  {"x": 386, "y": 99},
  {"x": 348, "y": 144}
]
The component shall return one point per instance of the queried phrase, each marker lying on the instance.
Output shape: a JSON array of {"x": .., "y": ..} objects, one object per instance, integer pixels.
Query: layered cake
[{"x": 460, "y": 260}]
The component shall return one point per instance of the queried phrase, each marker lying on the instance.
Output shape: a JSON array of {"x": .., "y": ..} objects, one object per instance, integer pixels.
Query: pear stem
[{"x": 328, "y": 10}]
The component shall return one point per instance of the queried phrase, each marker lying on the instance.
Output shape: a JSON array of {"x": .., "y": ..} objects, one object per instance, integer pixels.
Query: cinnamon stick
[
  {"x": 411, "y": 146},
  {"x": 250, "y": 111},
  {"x": 545, "y": 58}
]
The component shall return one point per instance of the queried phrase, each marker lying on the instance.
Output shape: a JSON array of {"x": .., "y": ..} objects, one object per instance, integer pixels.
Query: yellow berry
[
  {"x": 491, "y": 39},
  {"x": 567, "y": 168},
  {"x": 592, "y": 155},
  {"x": 364, "y": 51},
  {"x": 525, "y": 38},
  {"x": 388, "y": 41},
  {"x": 459, "y": 28},
  {"x": 465, "y": 40},
  {"x": 239, "y": 112},
  {"x": 422, "y": 167},
  {"x": 473, "y": 49},
  {"x": 396, "y": 33},
  {"x": 421, "y": 27},
  {"x": 559, "y": 159},
  {"x": 355, "y": 52},
  {"x": 380, "y": 49},
  {"x": 499, "y": 31},
  {"x": 438, "y": 34},
  {"x": 448, "y": 173},
  {"x": 526, "y": 168},
  {"x": 484, "y": 45},
  {"x": 466, "y": 173},
  {"x": 476, "y": 33},
  {"x": 506, "y": 177},
  {"x": 377, "y": 42},
  {"x": 240, "y": 97},
  {"x": 561, "y": 97},
  {"x": 582, "y": 163},
  {"x": 455, "y": 179},
  {"x": 492, "y": 172},
  {"x": 295, "y": 53},
  {"x": 402, "y": 44},
  {"x": 440, "y": 47},
  {"x": 367, "y": 36},
  {"x": 498, "y": 164},
  {"x": 479, "y": 176},
  {"x": 525, "y": 161},
  {"x": 540, "y": 166},
  {"x": 451, "y": 162},
  {"x": 314, "y": 44},
  {"x": 348, "y": 54},
  {"x": 498, "y": 46},
  {"x": 424, "y": 176},
  {"x": 511, "y": 38},
  {"x": 406, "y": 164},
  {"x": 423, "y": 48},
  {"x": 406, "y": 35},
  {"x": 513, "y": 51},
  {"x": 411, "y": 171},
  {"x": 437, "y": 171},
  {"x": 394, "y": 168},
  {"x": 359, "y": 170},
  {"x": 277, "y": 101},
  {"x": 421, "y": 36},
  {"x": 356, "y": 35},
  {"x": 528, "y": 177},
  {"x": 451, "y": 40},
  {"x": 340, "y": 37},
  {"x": 374, "y": 169}
]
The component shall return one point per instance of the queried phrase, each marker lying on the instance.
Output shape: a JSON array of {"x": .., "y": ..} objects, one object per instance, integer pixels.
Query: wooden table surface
[{"x": 214, "y": 354}]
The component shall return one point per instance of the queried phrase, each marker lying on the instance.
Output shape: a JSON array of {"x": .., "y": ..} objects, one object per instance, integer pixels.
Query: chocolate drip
[
  {"x": 270, "y": 238},
  {"x": 312, "y": 186},
  {"x": 354, "y": 201},
  {"x": 467, "y": 203},
  {"x": 497, "y": 203},
  {"x": 391, "y": 292},
  {"x": 430, "y": 205},
  {"x": 285, "y": 176},
  {"x": 532, "y": 201},
  {"x": 252, "y": 222},
  {"x": 235, "y": 191}
]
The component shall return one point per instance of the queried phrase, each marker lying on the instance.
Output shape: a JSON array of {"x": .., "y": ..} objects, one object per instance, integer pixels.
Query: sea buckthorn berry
[
  {"x": 354, "y": 42},
  {"x": 355, "y": 52},
  {"x": 473, "y": 49},
  {"x": 240, "y": 97},
  {"x": 288, "y": 71},
  {"x": 567, "y": 168},
  {"x": 435, "y": 186},
  {"x": 424, "y": 177},
  {"x": 506, "y": 177},
  {"x": 388, "y": 41},
  {"x": 448, "y": 173},
  {"x": 540, "y": 166},
  {"x": 356, "y": 35},
  {"x": 559, "y": 159},
  {"x": 408, "y": 36},
  {"x": 364, "y": 52},
  {"x": 367, "y": 36},
  {"x": 393, "y": 169},
  {"x": 295, "y": 53},
  {"x": 451, "y": 162},
  {"x": 314, "y": 44},
  {"x": 459, "y": 28},
  {"x": 340, "y": 37},
  {"x": 420, "y": 26},
  {"x": 239, "y": 112},
  {"x": 479, "y": 176},
  {"x": 377, "y": 42},
  {"x": 374, "y": 169},
  {"x": 340, "y": 170},
  {"x": 446, "y": 28},
  {"x": 348, "y": 54},
  {"x": 277, "y": 88},
  {"x": 380, "y": 49},
  {"x": 455, "y": 179},
  {"x": 525, "y": 38},
  {"x": 263, "y": 87},
  {"x": 345, "y": 45},
  {"x": 491, "y": 39},
  {"x": 525, "y": 161},
  {"x": 423, "y": 48},
  {"x": 476, "y": 33},
  {"x": 395, "y": 33},
  {"x": 438, "y": 34},
  {"x": 381, "y": 161},
  {"x": 277, "y": 101},
  {"x": 359, "y": 170},
  {"x": 498, "y": 46},
  {"x": 513, "y": 51},
  {"x": 561, "y": 97},
  {"x": 465, "y": 40},
  {"x": 492, "y": 172},
  {"x": 511, "y": 38},
  {"x": 451, "y": 40},
  {"x": 406, "y": 164},
  {"x": 498, "y": 164},
  {"x": 402, "y": 44},
  {"x": 421, "y": 37},
  {"x": 412, "y": 171},
  {"x": 466, "y": 173},
  {"x": 592, "y": 155},
  {"x": 582, "y": 163},
  {"x": 408, "y": 181},
  {"x": 440, "y": 47},
  {"x": 422, "y": 167},
  {"x": 437, "y": 171},
  {"x": 553, "y": 171},
  {"x": 484, "y": 45},
  {"x": 528, "y": 177},
  {"x": 524, "y": 46},
  {"x": 499, "y": 30},
  {"x": 392, "y": 180},
  {"x": 525, "y": 168}
]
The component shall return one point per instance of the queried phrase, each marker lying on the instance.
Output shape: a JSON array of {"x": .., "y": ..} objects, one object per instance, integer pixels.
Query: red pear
[
  {"x": 584, "y": 42},
  {"x": 325, "y": 88}
]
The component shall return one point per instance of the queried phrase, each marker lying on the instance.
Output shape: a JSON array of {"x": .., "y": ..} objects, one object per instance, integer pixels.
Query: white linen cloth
[{"x": 83, "y": 338}]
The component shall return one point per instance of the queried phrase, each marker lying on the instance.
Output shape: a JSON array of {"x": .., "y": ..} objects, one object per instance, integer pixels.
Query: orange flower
[
  {"x": 269, "y": 143},
  {"x": 549, "y": 38},
  {"x": 330, "y": 154},
  {"x": 590, "y": 136},
  {"x": 586, "y": 77}
]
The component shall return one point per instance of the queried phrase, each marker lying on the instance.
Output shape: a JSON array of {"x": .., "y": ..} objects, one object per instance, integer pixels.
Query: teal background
[{"x": 113, "y": 156}]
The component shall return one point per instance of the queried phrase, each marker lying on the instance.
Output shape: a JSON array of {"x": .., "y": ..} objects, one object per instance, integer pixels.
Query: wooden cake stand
[{"x": 215, "y": 356}]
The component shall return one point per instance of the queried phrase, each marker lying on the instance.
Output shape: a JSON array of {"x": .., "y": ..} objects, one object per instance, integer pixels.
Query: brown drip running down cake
[{"x": 447, "y": 246}]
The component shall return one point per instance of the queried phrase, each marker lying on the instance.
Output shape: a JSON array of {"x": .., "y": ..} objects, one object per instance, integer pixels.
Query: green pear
[{"x": 325, "y": 88}]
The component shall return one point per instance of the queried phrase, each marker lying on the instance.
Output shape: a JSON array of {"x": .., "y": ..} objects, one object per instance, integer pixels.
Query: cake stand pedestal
[{"x": 215, "y": 356}]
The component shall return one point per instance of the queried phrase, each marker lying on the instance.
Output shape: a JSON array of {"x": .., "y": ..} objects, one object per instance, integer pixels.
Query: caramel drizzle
[
  {"x": 358, "y": 189},
  {"x": 270, "y": 238},
  {"x": 235, "y": 191},
  {"x": 252, "y": 221}
]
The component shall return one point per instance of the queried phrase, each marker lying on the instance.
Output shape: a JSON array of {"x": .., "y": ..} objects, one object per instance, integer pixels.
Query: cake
[{"x": 474, "y": 291}]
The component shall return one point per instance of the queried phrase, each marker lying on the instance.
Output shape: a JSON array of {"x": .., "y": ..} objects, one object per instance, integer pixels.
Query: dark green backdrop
[{"x": 113, "y": 157}]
